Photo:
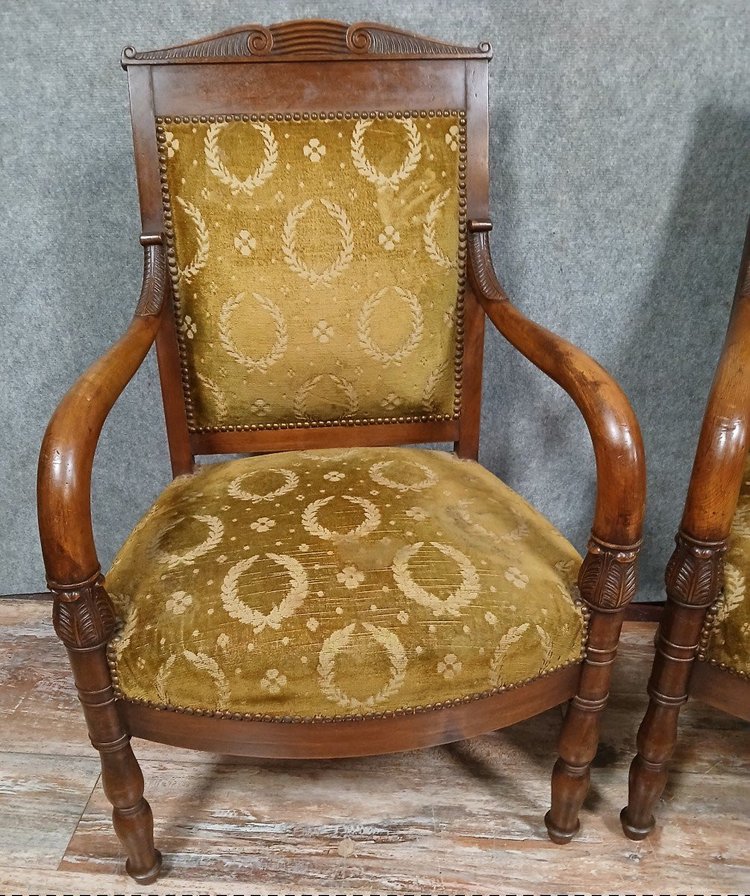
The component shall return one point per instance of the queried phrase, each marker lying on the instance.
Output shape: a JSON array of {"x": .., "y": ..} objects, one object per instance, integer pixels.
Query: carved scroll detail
[
  {"x": 379, "y": 39},
  {"x": 251, "y": 41},
  {"x": 154, "y": 287},
  {"x": 307, "y": 37},
  {"x": 694, "y": 572},
  {"x": 609, "y": 576},
  {"x": 84, "y": 618}
]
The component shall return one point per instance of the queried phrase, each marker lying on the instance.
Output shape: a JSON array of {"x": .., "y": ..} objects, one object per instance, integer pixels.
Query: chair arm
[
  {"x": 67, "y": 453},
  {"x": 614, "y": 430},
  {"x": 716, "y": 478}
]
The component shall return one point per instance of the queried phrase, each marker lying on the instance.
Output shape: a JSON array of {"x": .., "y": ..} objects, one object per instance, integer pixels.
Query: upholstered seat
[
  {"x": 726, "y": 634},
  {"x": 338, "y": 583}
]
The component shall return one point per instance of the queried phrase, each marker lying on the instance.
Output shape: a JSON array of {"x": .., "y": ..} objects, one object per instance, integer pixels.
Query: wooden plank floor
[{"x": 465, "y": 818}]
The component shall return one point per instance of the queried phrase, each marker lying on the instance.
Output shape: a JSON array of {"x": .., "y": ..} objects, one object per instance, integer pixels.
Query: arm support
[
  {"x": 67, "y": 454},
  {"x": 723, "y": 444},
  {"x": 616, "y": 436}
]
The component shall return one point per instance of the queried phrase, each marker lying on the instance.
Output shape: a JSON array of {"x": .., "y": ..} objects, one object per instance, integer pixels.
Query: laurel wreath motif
[
  {"x": 122, "y": 640},
  {"x": 517, "y": 534},
  {"x": 545, "y": 642},
  {"x": 289, "y": 243},
  {"x": 215, "y": 534},
  {"x": 456, "y": 600},
  {"x": 238, "y": 609},
  {"x": 367, "y": 169},
  {"x": 278, "y": 349},
  {"x": 198, "y": 261},
  {"x": 220, "y": 170},
  {"x": 734, "y": 593},
  {"x": 217, "y": 394},
  {"x": 291, "y": 481},
  {"x": 340, "y": 640},
  {"x": 497, "y": 666},
  {"x": 203, "y": 663},
  {"x": 741, "y": 522},
  {"x": 412, "y": 340},
  {"x": 369, "y": 524},
  {"x": 428, "y": 232},
  {"x": 302, "y": 397},
  {"x": 329, "y": 454},
  {"x": 377, "y": 475},
  {"x": 430, "y": 387}
]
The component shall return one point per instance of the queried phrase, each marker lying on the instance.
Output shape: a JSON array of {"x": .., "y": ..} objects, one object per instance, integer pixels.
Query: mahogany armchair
[
  {"x": 703, "y": 644},
  {"x": 315, "y": 226}
]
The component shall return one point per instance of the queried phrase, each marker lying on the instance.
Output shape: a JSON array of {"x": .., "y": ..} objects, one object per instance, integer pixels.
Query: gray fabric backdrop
[{"x": 620, "y": 134}]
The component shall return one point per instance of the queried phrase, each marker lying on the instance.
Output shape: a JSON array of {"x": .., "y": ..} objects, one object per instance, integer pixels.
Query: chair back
[{"x": 312, "y": 182}]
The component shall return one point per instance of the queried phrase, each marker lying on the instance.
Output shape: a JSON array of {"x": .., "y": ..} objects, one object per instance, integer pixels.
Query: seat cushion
[
  {"x": 340, "y": 583},
  {"x": 726, "y": 637}
]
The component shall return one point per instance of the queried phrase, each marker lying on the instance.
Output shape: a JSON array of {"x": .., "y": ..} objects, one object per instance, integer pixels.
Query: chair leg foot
[
  {"x": 634, "y": 832},
  {"x": 555, "y": 834},
  {"x": 570, "y": 784},
  {"x": 145, "y": 877},
  {"x": 647, "y": 777},
  {"x": 132, "y": 818}
]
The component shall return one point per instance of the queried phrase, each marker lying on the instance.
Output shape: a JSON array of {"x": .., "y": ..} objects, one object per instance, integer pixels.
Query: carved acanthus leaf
[
  {"x": 154, "y": 288},
  {"x": 482, "y": 272},
  {"x": 608, "y": 579},
  {"x": 694, "y": 571},
  {"x": 84, "y": 618}
]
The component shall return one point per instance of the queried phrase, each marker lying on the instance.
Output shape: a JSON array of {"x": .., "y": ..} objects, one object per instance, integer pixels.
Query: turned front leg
[
  {"x": 579, "y": 738},
  {"x": 84, "y": 621},
  {"x": 693, "y": 581},
  {"x": 607, "y": 583}
]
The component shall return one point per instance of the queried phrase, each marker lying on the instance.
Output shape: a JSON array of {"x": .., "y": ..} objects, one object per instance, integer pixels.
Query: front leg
[
  {"x": 693, "y": 580},
  {"x": 608, "y": 582},
  {"x": 84, "y": 621}
]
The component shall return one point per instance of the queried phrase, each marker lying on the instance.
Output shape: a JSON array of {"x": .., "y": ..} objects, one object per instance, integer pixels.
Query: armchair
[
  {"x": 703, "y": 644},
  {"x": 315, "y": 219}
]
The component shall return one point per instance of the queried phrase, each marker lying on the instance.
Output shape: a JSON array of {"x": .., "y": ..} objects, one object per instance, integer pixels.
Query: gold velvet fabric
[
  {"x": 340, "y": 583},
  {"x": 727, "y": 633},
  {"x": 316, "y": 265}
]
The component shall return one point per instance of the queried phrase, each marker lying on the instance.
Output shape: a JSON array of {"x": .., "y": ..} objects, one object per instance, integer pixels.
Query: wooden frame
[
  {"x": 694, "y": 572},
  {"x": 382, "y": 66}
]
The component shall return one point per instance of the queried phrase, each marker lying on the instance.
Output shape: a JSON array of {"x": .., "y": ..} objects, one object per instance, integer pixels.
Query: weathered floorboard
[
  {"x": 461, "y": 818},
  {"x": 41, "y": 801}
]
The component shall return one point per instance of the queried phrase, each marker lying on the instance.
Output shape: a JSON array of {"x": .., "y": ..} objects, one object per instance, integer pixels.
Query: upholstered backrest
[
  {"x": 315, "y": 220},
  {"x": 317, "y": 265}
]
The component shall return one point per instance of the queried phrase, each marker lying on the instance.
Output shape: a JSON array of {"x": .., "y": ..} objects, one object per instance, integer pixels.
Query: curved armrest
[
  {"x": 67, "y": 454},
  {"x": 723, "y": 443},
  {"x": 616, "y": 436}
]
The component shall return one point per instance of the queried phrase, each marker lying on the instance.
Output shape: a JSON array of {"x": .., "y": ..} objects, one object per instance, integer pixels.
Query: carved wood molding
[
  {"x": 154, "y": 288},
  {"x": 84, "y": 618},
  {"x": 694, "y": 571},
  {"x": 609, "y": 575},
  {"x": 307, "y": 38}
]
